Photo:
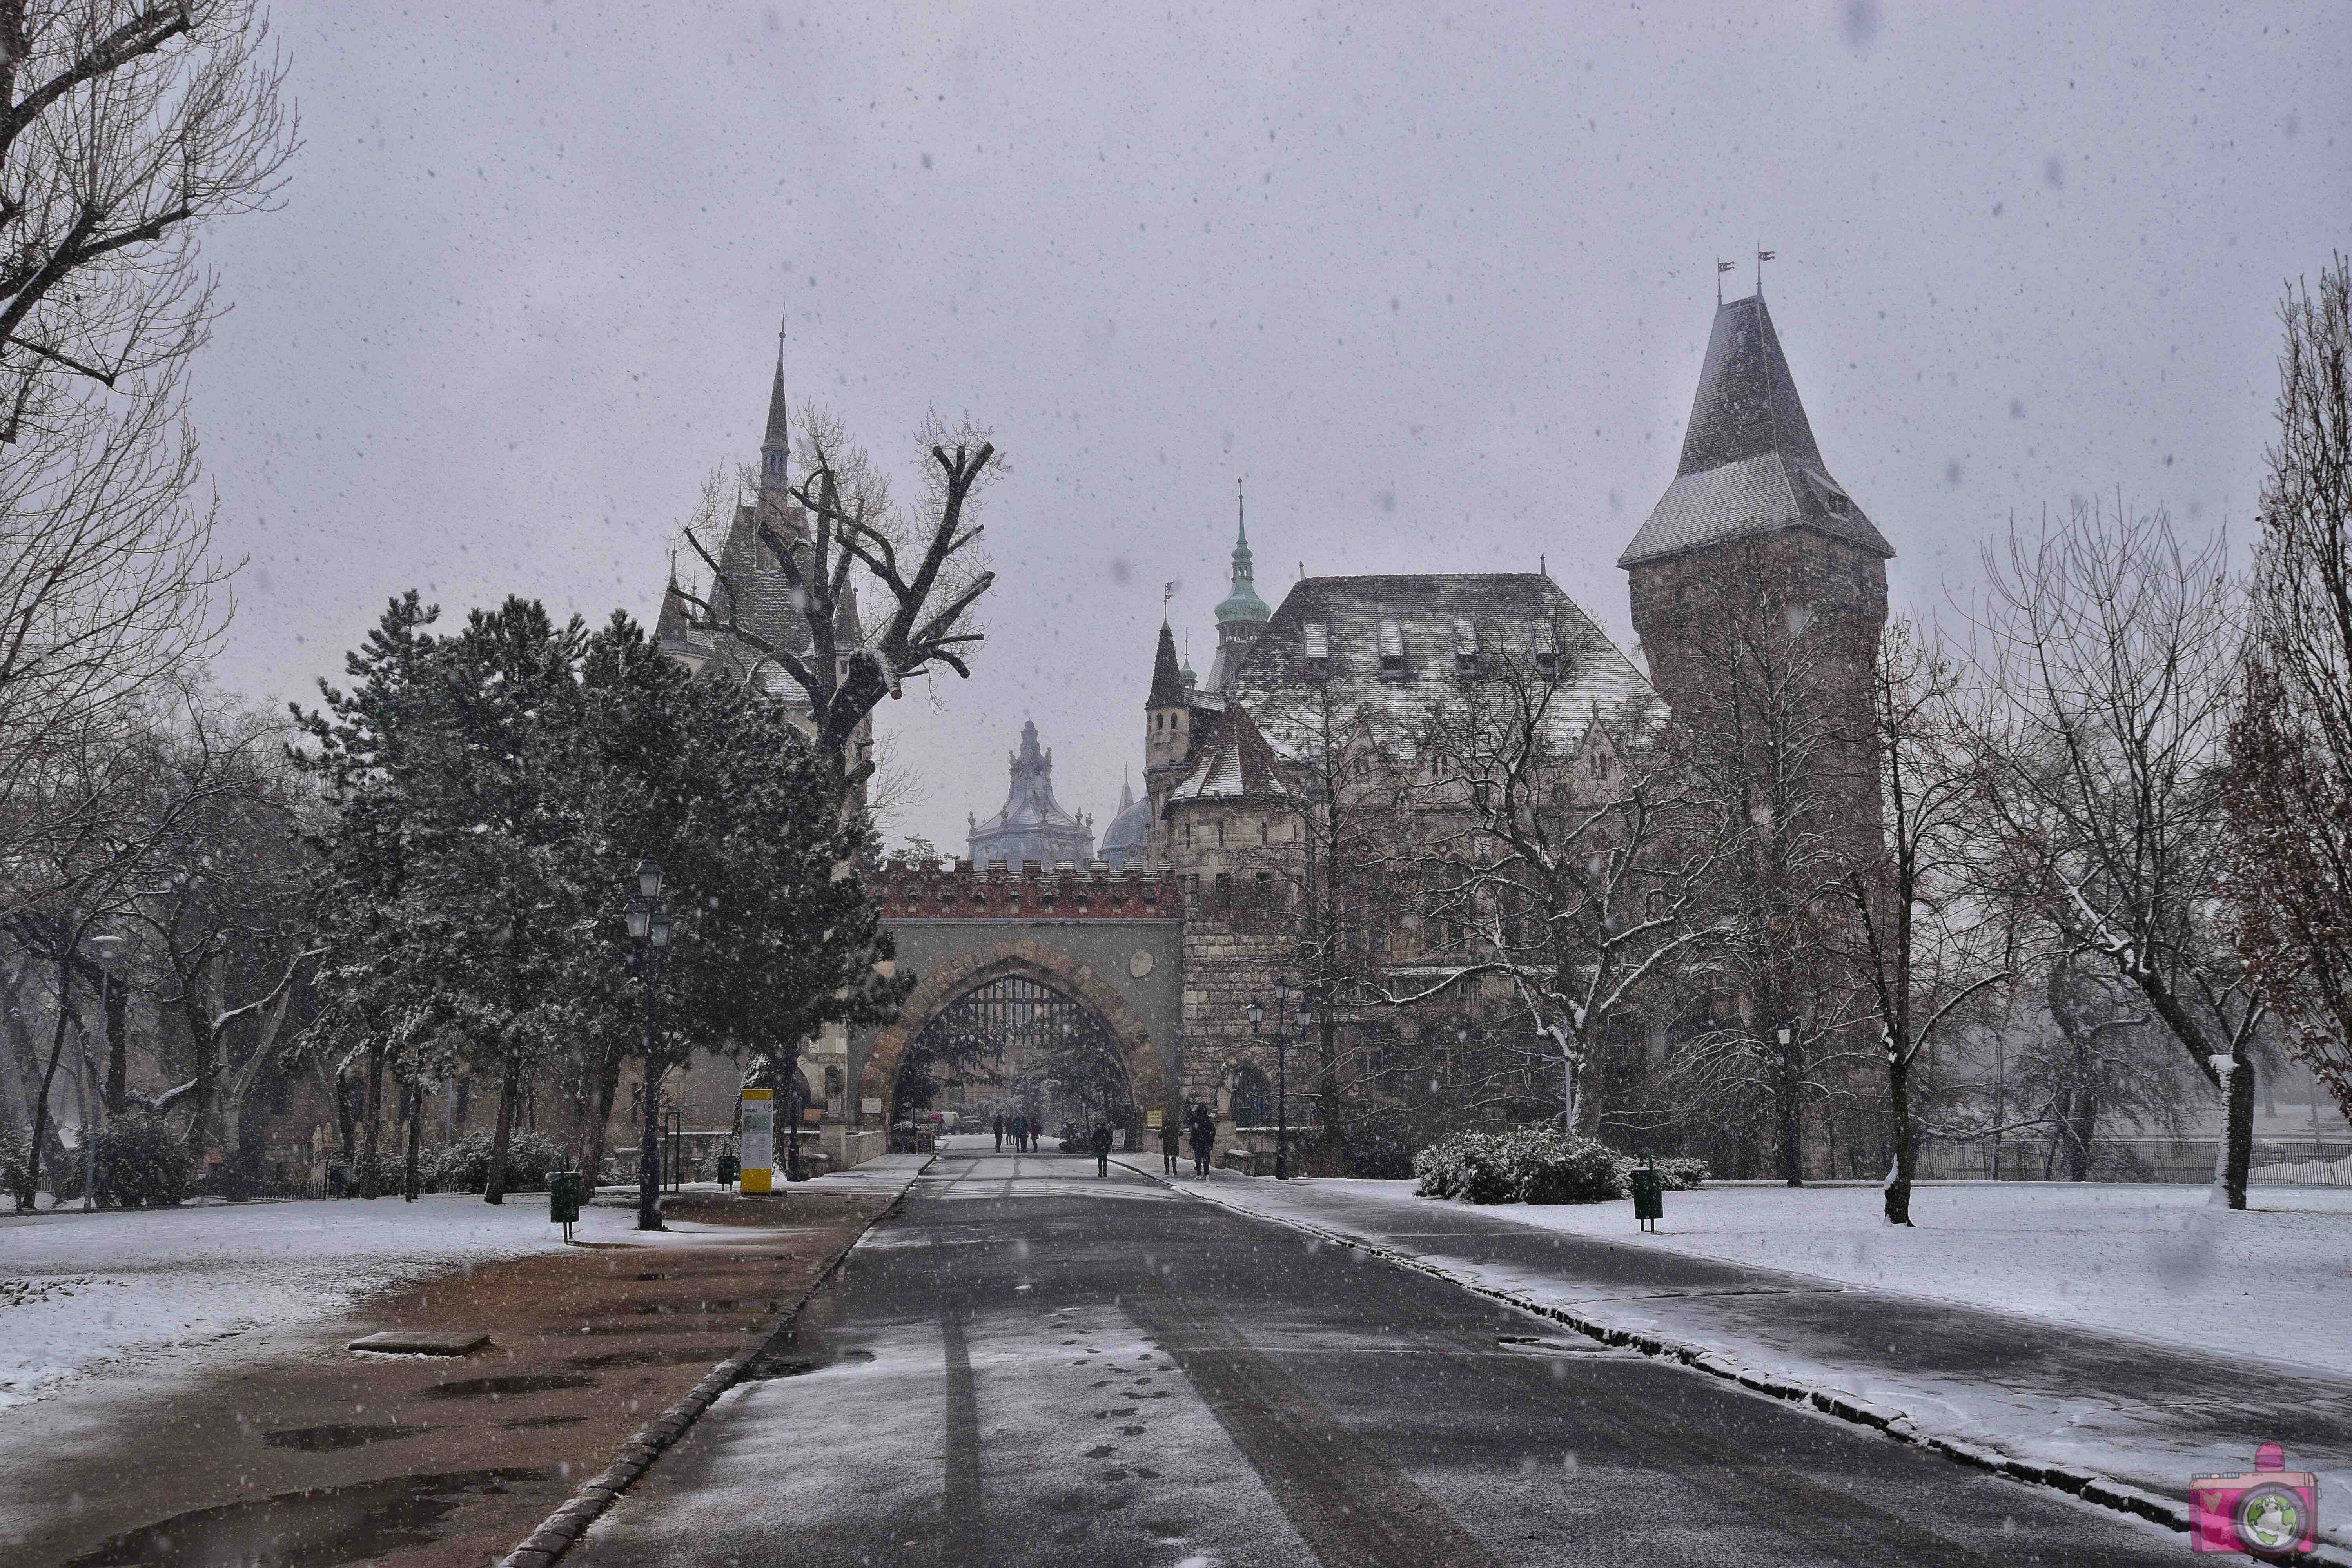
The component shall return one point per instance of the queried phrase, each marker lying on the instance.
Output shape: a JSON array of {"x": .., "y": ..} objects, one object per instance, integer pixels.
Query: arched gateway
[{"x": 1109, "y": 942}]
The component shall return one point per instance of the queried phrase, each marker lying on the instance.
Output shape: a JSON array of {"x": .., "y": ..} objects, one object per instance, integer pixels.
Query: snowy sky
[{"x": 1436, "y": 285}]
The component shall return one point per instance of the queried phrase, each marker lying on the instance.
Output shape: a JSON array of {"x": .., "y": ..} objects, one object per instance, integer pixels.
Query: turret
[{"x": 1244, "y": 615}]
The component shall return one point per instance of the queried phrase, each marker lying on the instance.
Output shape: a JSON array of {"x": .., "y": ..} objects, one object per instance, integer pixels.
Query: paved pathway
[
  {"x": 1029, "y": 1363},
  {"x": 2146, "y": 1413}
]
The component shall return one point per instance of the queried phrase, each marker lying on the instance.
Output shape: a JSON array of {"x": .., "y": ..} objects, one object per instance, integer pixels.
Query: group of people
[
  {"x": 1021, "y": 1128},
  {"x": 1198, "y": 1125},
  {"x": 1202, "y": 1127}
]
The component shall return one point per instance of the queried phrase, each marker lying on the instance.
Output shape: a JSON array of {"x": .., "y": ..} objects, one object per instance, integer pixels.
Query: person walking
[
  {"x": 999, "y": 1132},
  {"x": 1102, "y": 1148},
  {"x": 1204, "y": 1138},
  {"x": 1170, "y": 1138},
  {"x": 1020, "y": 1133}
]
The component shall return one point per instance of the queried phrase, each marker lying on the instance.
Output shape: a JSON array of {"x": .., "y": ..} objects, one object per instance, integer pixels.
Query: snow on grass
[
  {"x": 79, "y": 1291},
  {"x": 2154, "y": 1262}
]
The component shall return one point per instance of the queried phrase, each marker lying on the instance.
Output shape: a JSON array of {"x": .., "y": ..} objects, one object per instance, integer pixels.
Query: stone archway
[{"x": 1147, "y": 1064}]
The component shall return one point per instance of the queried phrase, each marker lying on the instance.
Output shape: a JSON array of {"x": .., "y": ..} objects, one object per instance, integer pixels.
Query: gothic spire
[
  {"x": 776, "y": 442},
  {"x": 1167, "y": 683}
]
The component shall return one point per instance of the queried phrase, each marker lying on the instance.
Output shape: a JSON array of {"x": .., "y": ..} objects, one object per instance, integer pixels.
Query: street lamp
[
  {"x": 105, "y": 947},
  {"x": 649, "y": 927},
  {"x": 1282, "y": 1092}
]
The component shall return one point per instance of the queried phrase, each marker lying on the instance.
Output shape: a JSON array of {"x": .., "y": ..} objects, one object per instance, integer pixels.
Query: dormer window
[
  {"x": 1391, "y": 649},
  {"x": 1465, "y": 648},
  {"x": 1316, "y": 639},
  {"x": 1545, "y": 644}
]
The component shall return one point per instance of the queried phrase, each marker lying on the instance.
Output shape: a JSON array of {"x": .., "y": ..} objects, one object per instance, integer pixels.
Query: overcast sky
[{"x": 1435, "y": 286}]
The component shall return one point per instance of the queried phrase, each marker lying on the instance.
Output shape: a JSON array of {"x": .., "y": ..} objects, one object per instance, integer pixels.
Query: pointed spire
[
  {"x": 1749, "y": 466},
  {"x": 1166, "y": 679},
  {"x": 1242, "y": 604},
  {"x": 776, "y": 441}
]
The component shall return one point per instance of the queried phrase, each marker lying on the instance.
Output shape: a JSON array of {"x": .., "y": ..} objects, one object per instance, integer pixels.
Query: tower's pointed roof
[
  {"x": 1749, "y": 465},
  {"x": 1167, "y": 682},
  {"x": 779, "y": 433},
  {"x": 1242, "y": 604}
]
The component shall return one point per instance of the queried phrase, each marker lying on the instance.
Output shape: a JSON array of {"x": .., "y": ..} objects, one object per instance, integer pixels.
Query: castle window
[
  {"x": 1224, "y": 890},
  {"x": 1262, "y": 837},
  {"x": 1318, "y": 642},
  {"x": 1391, "y": 648},
  {"x": 1221, "y": 834},
  {"x": 1600, "y": 763},
  {"x": 1188, "y": 833}
]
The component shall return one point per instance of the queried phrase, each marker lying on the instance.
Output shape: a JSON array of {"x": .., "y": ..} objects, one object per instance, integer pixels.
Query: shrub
[
  {"x": 1538, "y": 1164},
  {"x": 1682, "y": 1174},
  {"x": 140, "y": 1165},
  {"x": 464, "y": 1166},
  {"x": 15, "y": 1168}
]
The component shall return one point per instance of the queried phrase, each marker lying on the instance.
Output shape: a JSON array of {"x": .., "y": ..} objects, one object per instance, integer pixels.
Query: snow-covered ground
[
  {"x": 79, "y": 1291},
  {"x": 2273, "y": 1281}
]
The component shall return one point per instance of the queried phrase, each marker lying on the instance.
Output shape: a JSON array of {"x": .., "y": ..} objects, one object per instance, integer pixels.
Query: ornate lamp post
[
  {"x": 648, "y": 922},
  {"x": 1282, "y": 1020}
]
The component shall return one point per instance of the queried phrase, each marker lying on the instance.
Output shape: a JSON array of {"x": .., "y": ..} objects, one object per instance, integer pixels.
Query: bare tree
[
  {"x": 1925, "y": 952},
  {"x": 823, "y": 537},
  {"x": 1570, "y": 849},
  {"x": 125, "y": 125},
  {"x": 2290, "y": 801},
  {"x": 2103, "y": 676}
]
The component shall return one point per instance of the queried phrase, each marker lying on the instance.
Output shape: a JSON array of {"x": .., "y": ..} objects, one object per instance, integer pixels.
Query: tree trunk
[
  {"x": 494, "y": 1187},
  {"x": 599, "y": 1129},
  {"x": 2239, "y": 1131},
  {"x": 1898, "y": 1173},
  {"x": 412, "y": 1182},
  {"x": 2082, "y": 1127},
  {"x": 48, "y": 1076},
  {"x": 368, "y": 1167},
  {"x": 118, "y": 1044}
]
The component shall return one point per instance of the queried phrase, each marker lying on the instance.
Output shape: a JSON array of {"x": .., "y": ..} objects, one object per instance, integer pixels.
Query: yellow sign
[
  {"x": 759, "y": 1139},
  {"x": 1151, "y": 1118}
]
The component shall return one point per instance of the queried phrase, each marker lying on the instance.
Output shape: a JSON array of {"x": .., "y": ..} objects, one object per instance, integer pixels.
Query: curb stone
[
  {"x": 560, "y": 1530},
  {"x": 1835, "y": 1403}
]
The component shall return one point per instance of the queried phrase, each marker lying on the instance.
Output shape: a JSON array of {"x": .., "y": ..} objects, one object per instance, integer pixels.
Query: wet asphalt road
[{"x": 1030, "y": 1363}]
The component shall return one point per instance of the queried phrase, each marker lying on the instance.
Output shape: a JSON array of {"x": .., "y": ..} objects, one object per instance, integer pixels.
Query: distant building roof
[
  {"x": 1749, "y": 465},
  {"x": 1129, "y": 833},
  {"x": 1231, "y": 761},
  {"x": 1389, "y": 639},
  {"x": 1032, "y": 825}
]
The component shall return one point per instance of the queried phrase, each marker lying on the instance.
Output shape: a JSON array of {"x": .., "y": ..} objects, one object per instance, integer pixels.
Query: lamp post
[
  {"x": 105, "y": 947},
  {"x": 1282, "y": 1011},
  {"x": 1796, "y": 1175},
  {"x": 648, "y": 922},
  {"x": 1306, "y": 1014}
]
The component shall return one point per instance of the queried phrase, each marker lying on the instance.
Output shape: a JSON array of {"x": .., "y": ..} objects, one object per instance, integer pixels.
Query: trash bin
[
  {"x": 728, "y": 1170},
  {"x": 563, "y": 1200},
  {"x": 1649, "y": 1197}
]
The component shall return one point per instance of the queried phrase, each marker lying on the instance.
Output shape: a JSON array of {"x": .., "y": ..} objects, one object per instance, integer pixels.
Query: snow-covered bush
[
  {"x": 1538, "y": 1164},
  {"x": 464, "y": 1166},
  {"x": 1682, "y": 1174},
  {"x": 140, "y": 1164},
  {"x": 16, "y": 1168}
]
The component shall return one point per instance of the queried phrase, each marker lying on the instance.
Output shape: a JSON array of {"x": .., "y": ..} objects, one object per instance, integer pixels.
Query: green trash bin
[
  {"x": 563, "y": 1200},
  {"x": 1649, "y": 1197}
]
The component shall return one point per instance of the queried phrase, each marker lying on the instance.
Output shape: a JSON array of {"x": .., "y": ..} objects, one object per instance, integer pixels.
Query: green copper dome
[{"x": 1242, "y": 604}]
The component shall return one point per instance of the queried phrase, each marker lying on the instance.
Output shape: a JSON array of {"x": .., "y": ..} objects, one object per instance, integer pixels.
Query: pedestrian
[
  {"x": 1021, "y": 1134},
  {"x": 1204, "y": 1138},
  {"x": 1102, "y": 1148},
  {"x": 1169, "y": 1139},
  {"x": 999, "y": 1132}
]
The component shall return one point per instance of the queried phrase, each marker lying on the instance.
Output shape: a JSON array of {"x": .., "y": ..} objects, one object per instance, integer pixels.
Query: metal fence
[{"x": 2187, "y": 1161}]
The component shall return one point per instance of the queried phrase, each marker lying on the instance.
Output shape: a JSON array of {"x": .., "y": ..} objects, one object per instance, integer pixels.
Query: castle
[{"x": 1751, "y": 517}]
